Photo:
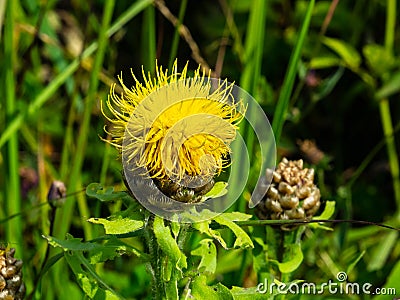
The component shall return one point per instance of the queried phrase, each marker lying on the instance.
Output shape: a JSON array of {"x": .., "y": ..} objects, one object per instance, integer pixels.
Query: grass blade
[{"x": 287, "y": 87}]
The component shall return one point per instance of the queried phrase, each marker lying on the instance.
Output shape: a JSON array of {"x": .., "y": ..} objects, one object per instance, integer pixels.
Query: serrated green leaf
[
  {"x": 105, "y": 194},
  {"x": 168, "y": 244},
  {"x": 204, "y": 227},
  {"x": 345, "y": 51},
  {"x": 227, "y": 219},
  {"x": 119, "y": 225},
  {"x": 208, "y": 253},
  {"x": 73, "y": 244},
  {"x": 237, "y": 216},
  {"x": 296, "y": 258},
  {"x": 200, "y": 290},
  {"x": 111, "y": 249}
]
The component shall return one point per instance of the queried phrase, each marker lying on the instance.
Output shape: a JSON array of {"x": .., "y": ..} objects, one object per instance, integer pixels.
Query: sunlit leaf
[
  {"x": 105, "y": 194},
  {"x": 252, "y": 293},
  {"x": 218, "y": 190},
  {"x": 328, "y": 211},
  {"x": 323, "y": 62},
  {"x": 119, "y": 225},
  {"x": 294, "y": 261},
  {"x": 227, "y": 219},
  {"x": 345, "y": 51},
  {"x": 208, "y": 253},
  {"x": 200, "y": 290},
  {"x": 204, "y": 227}
]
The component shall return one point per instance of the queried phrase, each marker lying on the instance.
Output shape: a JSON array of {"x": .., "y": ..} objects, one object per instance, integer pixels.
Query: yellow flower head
[{"x": 174, "y": 126}]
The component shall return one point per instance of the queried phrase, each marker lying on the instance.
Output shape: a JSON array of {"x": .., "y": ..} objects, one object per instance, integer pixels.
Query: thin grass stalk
[
  {"x": 248, "y": 81},
  {"x": 175, "y": 39},
  {"x": 12, "y": 197},
  {"x": 391, "y": 149},
  {"x": 64, "y": 215},
  {"x": 288, "y": 83},
  {"x": 254, "y": 47},
  {"x": 61, "y": 78},
  {"x": 384, "y": 107},
  {"x": 149, "y": 38}
]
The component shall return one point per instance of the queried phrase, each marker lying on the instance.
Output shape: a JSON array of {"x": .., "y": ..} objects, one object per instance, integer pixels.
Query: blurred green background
[{"x": 59, "y": 58}]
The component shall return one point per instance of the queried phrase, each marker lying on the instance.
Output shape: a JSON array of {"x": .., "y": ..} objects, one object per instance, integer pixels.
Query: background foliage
[{"x": 60, "y": 57}]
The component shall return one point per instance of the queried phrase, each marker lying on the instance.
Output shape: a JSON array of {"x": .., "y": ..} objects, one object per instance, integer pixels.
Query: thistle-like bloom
[{"x": 173, "y": 126}]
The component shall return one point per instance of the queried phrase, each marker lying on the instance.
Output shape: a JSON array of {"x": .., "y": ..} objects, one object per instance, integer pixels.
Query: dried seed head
[
  {"x": 11, "y": 284},
  {"x": 292, "y": 193}
]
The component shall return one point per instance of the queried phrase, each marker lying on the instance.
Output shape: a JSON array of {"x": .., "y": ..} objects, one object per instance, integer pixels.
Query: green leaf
[
  {"x": 296, "y": 257},
  {"x": 168, "y": 244},
  {"x": 382, "y": 251},
  {"x": 200, "y": 290},
  {"x": 208, "y": 253},
  {"x": 328, "y": 211},
  {"x": 227, "y": 219},
  {"x": 111, "y": 249},
  {"x": 325, "y": 215},
  {"x": 119, "y": 225},
  {"x": 252, "y": 293},
  {"x": 354, "y": 263},
  {"x": 175, "y": 227},
  {"x": 204, "y": 227},
  {"x": 96, "y": 190},
  {"x": 392, "y": 282},
  {"x": 345, "y": 51},
  {"x": 322, "y": 62},
  {"x": 391, "y": 87},
  {"x": 218, "y": 190},
  {"x": 327, "y": 85},
  {"x": 92, "y": 284},
  {"x": 73, "y": 244},
  {"x": 379, "y": 59}
]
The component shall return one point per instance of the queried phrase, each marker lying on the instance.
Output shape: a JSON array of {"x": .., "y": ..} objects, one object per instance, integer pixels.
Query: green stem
[
  {"x": 391, "y": 149},
  {"x": 155, "y": 264},
  {"x": 385, "y": 108},
  {"x": 12, "y": 195}
]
